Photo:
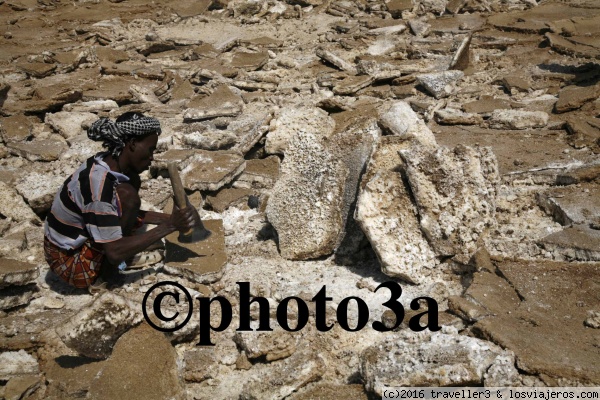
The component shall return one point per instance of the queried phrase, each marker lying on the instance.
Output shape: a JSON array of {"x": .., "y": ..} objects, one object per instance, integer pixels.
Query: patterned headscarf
[{"x": 114, "y": 135}]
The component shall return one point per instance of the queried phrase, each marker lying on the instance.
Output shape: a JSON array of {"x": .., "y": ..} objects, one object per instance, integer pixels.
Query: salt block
[
  {"x": 15, "y": 272},
  {"x": 200, "y": 262},
  {"x": 211, "y": 170}
]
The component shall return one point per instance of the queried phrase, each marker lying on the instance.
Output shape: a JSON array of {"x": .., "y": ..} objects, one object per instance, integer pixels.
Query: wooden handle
[{"x": 178, "y": 191}]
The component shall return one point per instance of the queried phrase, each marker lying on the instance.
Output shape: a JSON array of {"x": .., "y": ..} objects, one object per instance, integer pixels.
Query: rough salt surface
[
  {"x": 388, "y": 217},
  {"x": 13, "y": 206},
  {"x": 293, "y": 121},
  {"x": 70, "y": 124},
  {"x": 39, "y": 189},
  {"x": 442, "y": 360},
  {"x": 518, "y": 119},
  {"x": 306, "y": 202},
  {"x": 440, "y": 84},
  {"x": 13, "y": 363},
  {"x": 455, "y": 192},
  {"x": 400, "y": 119},
  {"x": 94, "y": 330}
]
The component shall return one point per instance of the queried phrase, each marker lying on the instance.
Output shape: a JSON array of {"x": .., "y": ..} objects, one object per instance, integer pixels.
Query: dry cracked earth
[{"x": 451, "y": 147}]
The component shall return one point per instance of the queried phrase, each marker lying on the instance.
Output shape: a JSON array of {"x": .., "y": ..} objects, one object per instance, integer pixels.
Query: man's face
[{"x": 143, "y": 153}]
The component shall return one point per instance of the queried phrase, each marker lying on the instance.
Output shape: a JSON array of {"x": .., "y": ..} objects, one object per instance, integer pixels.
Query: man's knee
[{"x": 128, "y": 197}]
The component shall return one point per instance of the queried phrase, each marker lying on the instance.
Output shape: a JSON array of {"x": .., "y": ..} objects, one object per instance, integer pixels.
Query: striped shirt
[{"x": 86, "y": 206}]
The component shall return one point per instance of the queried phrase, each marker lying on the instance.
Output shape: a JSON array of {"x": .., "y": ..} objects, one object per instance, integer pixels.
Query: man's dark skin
[{"x": 136, "y": 157}]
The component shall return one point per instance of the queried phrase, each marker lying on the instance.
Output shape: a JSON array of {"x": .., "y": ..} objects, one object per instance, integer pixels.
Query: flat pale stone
[
  {"x": 70, "y": 124},
  {"x": 306, "y": 202},
  {"x": 395, "y": 7},
  {"x": 15, "y": 272},
  {"x": 299, "y": 120},
  {"x": 419, "y": 27},
  {"x": 455, "y": 193},
  {"x": 185, "y": 10},
  {"x": 201, "y": 261},
  {"x": 388, "y": 217},
  {"x": 39, "y": 189},
  {"x": 106, "y": 53},
  {"x": 565, "y": 46},
  {"x": 574, "y": 243},
  {"x": 39, "y": 150},
  {"x": 182, "y": 157},
  {"x": 58, "y": 94},
  {"x": 13, "y": 243},
  {"x": 465, "y": 309},
  {"x": 336, "y": 60},
  {"x": 485, "y": 105},
  {"x": 317, "y": 183},
  {"x": 13, "y": 206},
  {"x": 210, "y": 139},
  {"x": 518, "y": 119},
  {"x": 461, "y": 58},
  {"x": 52, "y": 303},
  {"x": 400, "y": 120},
  {"x": 286, "y": 377},
  {"x": 70, "y": 378},
  {"x": 14, "y": 296},
  {"x": 517, "y": 83},
  {"x": 181, "y": 92},
  {"x": 81, "y": 148},
  {"x": 251, "y": 85},
  {"x": 493, "y": 293},
  {"x": 259, "y": 173},
  {"x": 211, "y": 170},
  {"x": 91, "y": 106},
  {"x": 384, "y": 68},
  {"x": 436, "y": 360},
  {"x": 229, "y": 197},
  {"x": 352, "y": 84},
  {"x": 250, "y": 127},
  {"x": 144, "y": 94},
  {"x": 95, "y": 329},
  {"x": 388, "y": 30},
  {"x": 572, "y": 204},
  {"x": 440, "y": 84},
  {"x": 221, "y": 103},
  {"x": 584, "y": 131},
  {"x": 586, "y": 173},
  {"x": 451, "y": 116},
  {"x": 116, "y": 91},
  {"x": 15, "y": 363}
]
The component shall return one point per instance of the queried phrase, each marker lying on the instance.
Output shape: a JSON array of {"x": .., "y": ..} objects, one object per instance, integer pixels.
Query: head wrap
[{"x": 114, "y": 135}]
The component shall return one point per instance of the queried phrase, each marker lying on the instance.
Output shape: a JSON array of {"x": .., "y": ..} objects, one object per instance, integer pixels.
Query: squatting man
[{"x": 90, "y": 229}]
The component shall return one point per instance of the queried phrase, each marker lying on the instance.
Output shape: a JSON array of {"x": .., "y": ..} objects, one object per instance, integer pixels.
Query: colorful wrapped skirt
[{"x": 78, "y": 267}]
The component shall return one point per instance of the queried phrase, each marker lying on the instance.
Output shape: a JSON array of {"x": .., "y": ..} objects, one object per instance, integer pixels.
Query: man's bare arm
[
  {"x": 155, "y": 218},
  {"x": 128, "y": 246}
]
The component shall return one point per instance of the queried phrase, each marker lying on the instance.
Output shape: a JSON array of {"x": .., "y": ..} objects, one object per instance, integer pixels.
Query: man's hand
[
  {"x": 183, "y": 220},
  {"x": 197, "y": 220}
]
